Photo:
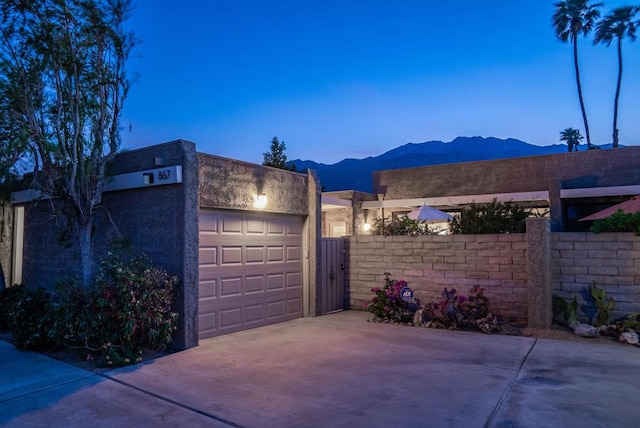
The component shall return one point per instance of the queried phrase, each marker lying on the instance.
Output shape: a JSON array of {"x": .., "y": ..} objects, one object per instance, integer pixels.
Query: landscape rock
[
  {"x": 630, "y": 337},
  {"x": 585, "y": 330},
  {"x": 608, "y": 330},
  {"x": 417, "y": 317}
]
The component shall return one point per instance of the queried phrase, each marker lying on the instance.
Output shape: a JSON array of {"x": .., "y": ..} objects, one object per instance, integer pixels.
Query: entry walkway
[{"x": 339, "y": 371}]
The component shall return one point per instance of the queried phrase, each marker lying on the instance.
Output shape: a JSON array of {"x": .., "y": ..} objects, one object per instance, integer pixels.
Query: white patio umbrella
[{"x": 429, "y": 214}]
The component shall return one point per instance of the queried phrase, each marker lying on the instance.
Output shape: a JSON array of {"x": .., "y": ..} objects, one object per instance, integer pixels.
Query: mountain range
[{"x": 355, "y": 174}]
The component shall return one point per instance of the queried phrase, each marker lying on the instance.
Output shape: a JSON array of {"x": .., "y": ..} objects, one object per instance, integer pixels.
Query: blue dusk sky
[{"x": 352, "y": 79}]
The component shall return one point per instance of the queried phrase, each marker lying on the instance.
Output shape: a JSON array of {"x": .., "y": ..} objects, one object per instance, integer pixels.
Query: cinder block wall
[
  {"x": 499, "y": 263},
  {"x": 430, "y": 263},
  {"x": 611, "y": 260}
]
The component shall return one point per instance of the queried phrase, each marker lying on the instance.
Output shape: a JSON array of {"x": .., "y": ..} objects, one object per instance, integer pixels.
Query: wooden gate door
[{"x": 332, "y": 274}]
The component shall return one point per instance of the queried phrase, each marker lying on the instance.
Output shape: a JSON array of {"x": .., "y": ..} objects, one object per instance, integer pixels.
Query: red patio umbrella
[{"x": 628, "y": 207}]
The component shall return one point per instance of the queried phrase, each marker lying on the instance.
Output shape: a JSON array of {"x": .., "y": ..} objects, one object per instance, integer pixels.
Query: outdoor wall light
[
  {"x": 260, "y": 201},
  {"x": 366, "y": 227}
]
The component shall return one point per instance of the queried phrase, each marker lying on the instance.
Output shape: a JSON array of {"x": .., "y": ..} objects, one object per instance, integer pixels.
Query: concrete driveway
[{"x": 339, "y": 371}]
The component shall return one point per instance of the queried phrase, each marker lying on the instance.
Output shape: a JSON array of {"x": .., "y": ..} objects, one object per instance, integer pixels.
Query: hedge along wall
[
  {"x": 430, "y": 263},
  {"x": 611, "y": 260}
]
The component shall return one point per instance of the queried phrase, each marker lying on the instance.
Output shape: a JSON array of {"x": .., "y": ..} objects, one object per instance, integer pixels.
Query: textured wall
[
  {"x": 231, "y": 184},
  {"x": 594, "y": 168},
  {"x": 159, "y": 221},
  {"x": 430, "y": 263},
  {"x": 612, "y": 260},
  {"x": 6, "y": 242}
]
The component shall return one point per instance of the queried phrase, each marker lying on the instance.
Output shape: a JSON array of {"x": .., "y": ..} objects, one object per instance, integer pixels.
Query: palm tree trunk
[
  {"x": 584, "y": 112},
  {"x": 615, "y": 104}
]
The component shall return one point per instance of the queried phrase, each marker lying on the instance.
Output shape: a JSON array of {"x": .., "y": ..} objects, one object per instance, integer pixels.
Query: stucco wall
[
  {"x": 593, "y": 168},
  {"x": 6, "y": 242},
  {"x": 430, "y": 263},
  {"x": 159, "y": 221},
  {"x": 231, "y": 184},
  {"x": 611, "y": 260}
]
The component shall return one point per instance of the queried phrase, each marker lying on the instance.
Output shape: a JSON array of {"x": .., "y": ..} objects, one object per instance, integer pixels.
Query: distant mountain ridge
[{"x": 356, "y": 174}]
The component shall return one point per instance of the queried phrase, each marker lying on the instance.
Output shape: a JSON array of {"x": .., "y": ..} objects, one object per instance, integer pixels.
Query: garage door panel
[
  {"x": 255, "y": 254},
  {"x": 254, "y": 313},
  {"x": 275, "y": 282},
  {"x": 294, "y": 280},
  {"x": 294, "y": 229},
  {"x": 230, "y": 255},
  {"x": 294, "y": 306},
  {"x": 208, "y": 289},
  {"x": 255, "y": 227},
  {"x": 275, "y": 254},
  {"x": 255, "y": 284},
  {"x": 231, "y": 225},
  {"x": 208, "y": 256},
  {"x": 250, "y": 270},
  {"x": 275, "y": 309},
  {"x": 294, "y": 253},
  {"x": 209, "y": 306},
  {"x": 230, "y": 287},
  {"x": 230, "y": 317},
  {"x": 276, "y": 228},
  {"x": 207, "y": 324}
]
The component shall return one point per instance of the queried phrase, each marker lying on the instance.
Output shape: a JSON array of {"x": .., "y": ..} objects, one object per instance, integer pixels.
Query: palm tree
[
  {"x": 618, "y": 24},
  {"x": 572, "y": 137},
  {"x": 572, "y": 18}
]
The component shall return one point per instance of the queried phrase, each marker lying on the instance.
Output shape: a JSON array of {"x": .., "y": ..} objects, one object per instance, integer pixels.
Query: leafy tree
[
  {"x": 62, "y": 85},
  {"x": 572, "y": 137},
  {"x": 276, "y": 157},
  {"x": 494, "y": 217},
  {"x": 572, "y": 18},
  {"x": 617, "y": 222},
  {"x": 618, "y": 24}
]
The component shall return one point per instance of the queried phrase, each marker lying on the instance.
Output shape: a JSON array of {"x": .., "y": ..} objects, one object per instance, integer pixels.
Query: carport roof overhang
[
  {"x": 329, "y": 202},
  {"x": 453, "y": 202}
]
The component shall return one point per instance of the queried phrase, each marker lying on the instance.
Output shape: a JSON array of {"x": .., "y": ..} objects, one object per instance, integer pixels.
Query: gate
[{"x": 332, "y": 274}]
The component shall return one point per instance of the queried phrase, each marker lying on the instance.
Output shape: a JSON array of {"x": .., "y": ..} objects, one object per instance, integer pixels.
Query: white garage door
[{"x": 250, "y": 271}]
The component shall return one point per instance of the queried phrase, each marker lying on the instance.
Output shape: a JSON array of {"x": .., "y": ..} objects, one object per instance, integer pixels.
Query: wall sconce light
[
  {"x": 366, "y": 227},
  {"x": 260, "y": 201}
]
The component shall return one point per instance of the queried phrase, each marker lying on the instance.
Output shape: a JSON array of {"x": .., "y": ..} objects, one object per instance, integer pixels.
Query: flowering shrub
[
  {"x": 127, "y": 310},
  {"x": 387, "y": 305},
  {"x": 458, "y": 311}
]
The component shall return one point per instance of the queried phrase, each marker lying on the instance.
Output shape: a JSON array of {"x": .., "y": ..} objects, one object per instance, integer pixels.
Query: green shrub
[
  {"x": 8, "y": 298},
  {"x": 132, "y": 301},
  {"x": 603, "y": 305},
  {"x": 617, "y": 222},
  {"x": 494, "y": 217},
  {"x": 387, "y": 305},
  {"x": 565, "y": 313},
  {"x": 127, "y": 310},
  {"x": 30, "y": 321},
  {"x": 400, "y": 226}
]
